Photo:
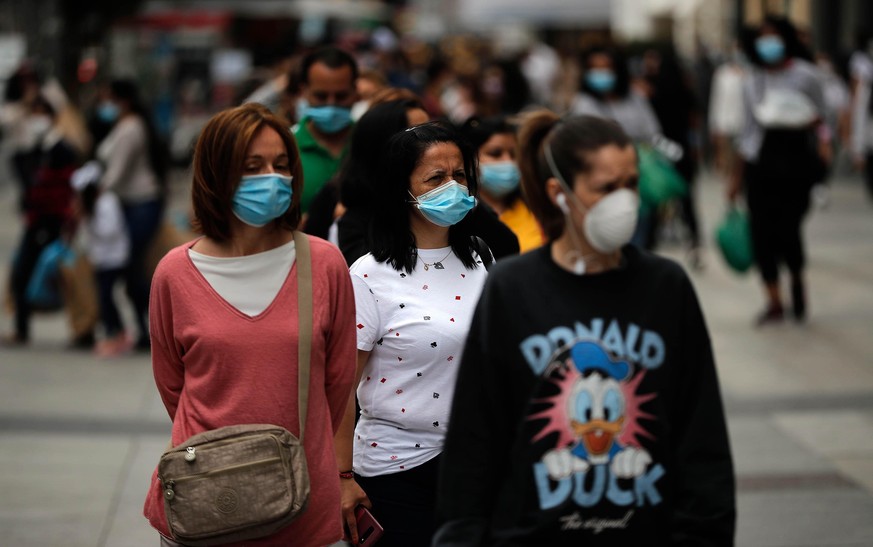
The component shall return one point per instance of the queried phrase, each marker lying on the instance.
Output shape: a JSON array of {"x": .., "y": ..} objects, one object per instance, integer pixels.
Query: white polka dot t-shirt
[{"x": 415, "y": 326}]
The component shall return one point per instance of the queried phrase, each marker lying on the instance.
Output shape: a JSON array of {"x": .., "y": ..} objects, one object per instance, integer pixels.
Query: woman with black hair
[
  {"x": 785, "y": 147},
  {"x": 135, "y": 170},
  {"x": 359, "y": 174},
  {"x": 494, "y": 139},
  {"x": 414, "y": 295}
]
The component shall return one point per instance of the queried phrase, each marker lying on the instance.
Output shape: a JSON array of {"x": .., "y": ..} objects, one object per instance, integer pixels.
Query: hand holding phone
[{"x": 369, "y": 530}]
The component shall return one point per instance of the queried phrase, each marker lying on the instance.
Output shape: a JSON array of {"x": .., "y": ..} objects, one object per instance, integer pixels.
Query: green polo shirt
[{"x": 318, "y": 163}]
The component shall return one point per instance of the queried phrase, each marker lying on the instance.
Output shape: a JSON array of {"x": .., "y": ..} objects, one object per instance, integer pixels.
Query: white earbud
[{"x": 561, "y": 201}]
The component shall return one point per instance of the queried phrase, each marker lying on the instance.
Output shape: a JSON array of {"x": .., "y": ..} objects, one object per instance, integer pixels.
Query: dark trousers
[
  {"x": 36, "y": 237},
  {"x": 143, "y": 221},
  {"x": 777, "y": 207},
  {"x": 404, "y": 504},
  {"x": 687, "y": 167},
  {"x": 109, "y": 316}
]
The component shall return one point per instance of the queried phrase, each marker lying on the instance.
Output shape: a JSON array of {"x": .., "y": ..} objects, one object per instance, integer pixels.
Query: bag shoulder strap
[{"x": 304, "y": 324}]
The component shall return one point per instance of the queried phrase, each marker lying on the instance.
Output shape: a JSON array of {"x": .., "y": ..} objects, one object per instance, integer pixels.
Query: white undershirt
[{"x": 248, "y": 283}]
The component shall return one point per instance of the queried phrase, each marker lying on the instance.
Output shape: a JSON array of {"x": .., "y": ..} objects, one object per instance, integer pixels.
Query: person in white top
[
  {"x": 135, "y": 166},
  {"x": 414, "y": 295},
  {"x": 861, "y": 115},
  {"x": 108, "y": 249},
  {"x": 726, "y": 100}
]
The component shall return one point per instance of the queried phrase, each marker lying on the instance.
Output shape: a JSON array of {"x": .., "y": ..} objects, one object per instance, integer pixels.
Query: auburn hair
[{"x": 217, "y": 168}]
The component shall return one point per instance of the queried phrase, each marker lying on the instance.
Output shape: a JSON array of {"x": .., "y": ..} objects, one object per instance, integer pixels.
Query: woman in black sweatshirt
[{"x": 587, "y": 409}]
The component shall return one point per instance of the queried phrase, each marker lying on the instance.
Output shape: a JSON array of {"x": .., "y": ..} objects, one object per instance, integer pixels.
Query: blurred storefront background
[{"x": 194, "y": 57}]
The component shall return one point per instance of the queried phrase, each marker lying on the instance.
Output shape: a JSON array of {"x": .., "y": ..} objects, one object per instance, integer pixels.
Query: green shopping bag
[
  {"x": 660, "y": 182},
  {"x": 734, "y": 238}
]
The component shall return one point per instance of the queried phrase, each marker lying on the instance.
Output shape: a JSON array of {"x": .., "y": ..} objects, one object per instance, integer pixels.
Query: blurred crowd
[{"x": 684, "y": 115}]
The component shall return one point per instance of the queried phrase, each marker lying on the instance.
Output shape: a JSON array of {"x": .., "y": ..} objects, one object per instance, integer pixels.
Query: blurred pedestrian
[
  {"x": 786, "y": 147},
  {"x": 135, "y": 169},
  {"x": 328, "y": 78},
  {"x": 414, "y": 295},
  {"x": 108, "y": 250},
  {"x": 861, "y": 141},
  {"x": 677, "y": 108},
  {"x": 326, "y": 208},
  {"x": 861, "y": 121},
  {"x": 726, "y": 100},
  {"x": 20, "y": 135},
  {"x": 499, "y": 177},
  {"x": 587, "y": 408},
  {"x": 47, "y": 205},
  {"x": 370, "y": 83},
  {"x": 224, "y": 313},
  {"x": 607, "y": 93},
  {"x": 360, "y": 178}
]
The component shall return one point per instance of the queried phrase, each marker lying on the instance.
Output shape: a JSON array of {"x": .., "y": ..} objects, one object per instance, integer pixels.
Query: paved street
[{"x": 79, "y": 437}]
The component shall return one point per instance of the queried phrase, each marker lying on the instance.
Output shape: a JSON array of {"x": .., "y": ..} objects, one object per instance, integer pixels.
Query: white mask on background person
[{"x": 608, "y": 225}]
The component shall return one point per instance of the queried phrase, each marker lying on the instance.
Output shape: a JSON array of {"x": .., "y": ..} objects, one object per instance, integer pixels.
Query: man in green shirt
[{"x": 328, "y": 84}]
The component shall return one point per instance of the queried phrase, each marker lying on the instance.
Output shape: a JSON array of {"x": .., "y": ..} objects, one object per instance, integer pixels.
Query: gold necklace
[{"x": 438, "y": 265}]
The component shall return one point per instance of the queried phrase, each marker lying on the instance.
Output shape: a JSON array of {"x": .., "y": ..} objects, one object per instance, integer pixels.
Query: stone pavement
[{"x": 80, "y": 436}]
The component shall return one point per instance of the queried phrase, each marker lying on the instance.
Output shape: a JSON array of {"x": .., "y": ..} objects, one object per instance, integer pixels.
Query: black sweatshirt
[{"x": 587, "y": 412}]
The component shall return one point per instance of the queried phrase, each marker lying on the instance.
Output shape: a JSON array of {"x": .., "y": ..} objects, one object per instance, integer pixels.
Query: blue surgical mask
[
  {"x": 108, "y": 112},
  {"x": 771, "y": 49},
  {"x": 262, "y": 198},
  {"x": 601, "y": 80},
  {"x": 500, "y": 178},
  {"x": 329, "y": 118},
  {"x": 446, "y": 204}
]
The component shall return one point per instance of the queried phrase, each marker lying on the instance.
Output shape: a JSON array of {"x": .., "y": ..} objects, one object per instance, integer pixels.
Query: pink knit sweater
[{"x": 215, "y": 366}]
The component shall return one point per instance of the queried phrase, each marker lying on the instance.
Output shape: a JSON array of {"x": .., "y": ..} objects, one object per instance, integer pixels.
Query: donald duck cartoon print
[{"x": 594, "y": 412}]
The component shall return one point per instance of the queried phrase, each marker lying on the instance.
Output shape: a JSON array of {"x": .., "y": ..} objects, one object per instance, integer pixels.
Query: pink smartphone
[{"x": 369, "y": 530}]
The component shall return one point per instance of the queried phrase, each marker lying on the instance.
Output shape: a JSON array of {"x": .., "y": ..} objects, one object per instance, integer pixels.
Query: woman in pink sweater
[{"x": 223, "y": 313}]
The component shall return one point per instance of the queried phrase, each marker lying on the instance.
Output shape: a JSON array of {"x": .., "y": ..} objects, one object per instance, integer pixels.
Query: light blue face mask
[
  {"x": 446, "y": 204},
  {"x": 107, "y": 112},
  {"x": 771, "y": 49},
  {"x": 601, "y": 80},
  {"x": 262, "y": 198},
  {"x": 500, "y": 178},
  {"x": 329, "y": 118}
]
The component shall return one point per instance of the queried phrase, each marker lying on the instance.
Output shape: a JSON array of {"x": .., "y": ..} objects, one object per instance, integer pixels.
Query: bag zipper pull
[{"x": 190, "y": 456}]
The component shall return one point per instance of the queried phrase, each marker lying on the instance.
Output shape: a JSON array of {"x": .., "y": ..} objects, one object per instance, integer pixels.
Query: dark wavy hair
[
  {"x": 359, "y": 175},
  {"x": 391, "y": 239},
  {"x": 619, "y": 67}
]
